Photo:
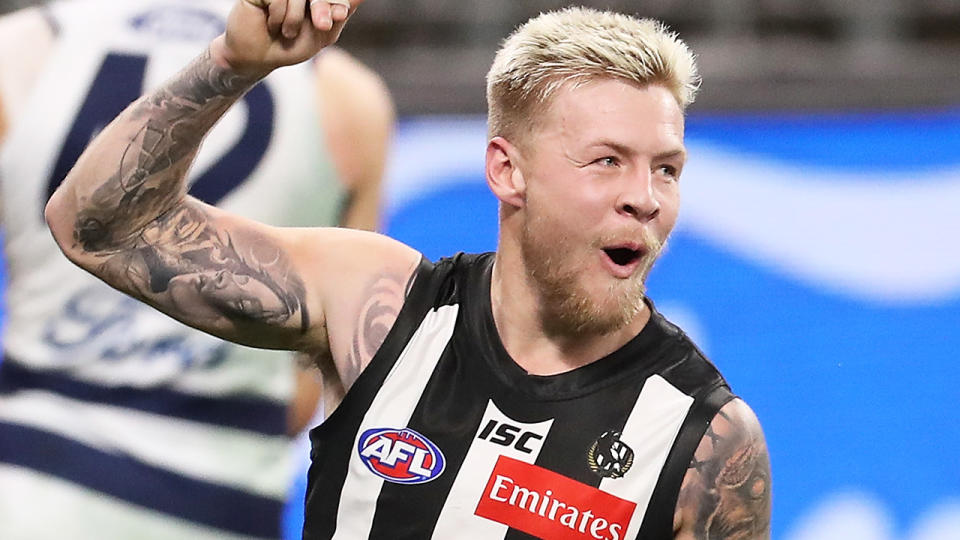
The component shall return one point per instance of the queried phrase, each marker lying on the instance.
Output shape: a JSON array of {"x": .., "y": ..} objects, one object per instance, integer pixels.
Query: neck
[{"x": 515, "y": 305}]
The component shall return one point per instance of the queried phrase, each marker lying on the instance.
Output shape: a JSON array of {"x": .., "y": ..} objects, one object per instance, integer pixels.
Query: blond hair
[{"x": 577, "y": 45}]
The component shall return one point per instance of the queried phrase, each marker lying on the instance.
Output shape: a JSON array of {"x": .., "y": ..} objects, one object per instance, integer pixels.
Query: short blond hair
[{"x": 577, "y": 45}]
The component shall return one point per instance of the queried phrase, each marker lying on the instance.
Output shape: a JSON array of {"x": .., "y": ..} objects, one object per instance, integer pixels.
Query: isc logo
[
  {"x": 507, "y": 434},
  {"x": 402, "y": 456}
]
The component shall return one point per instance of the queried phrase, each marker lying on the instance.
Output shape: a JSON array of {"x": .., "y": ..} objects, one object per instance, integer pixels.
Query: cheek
[
  {"x": 668, "y": 219},
  {"x": 181, "y": 290},
  {"x": 567, "y": 214},
  {"x": 669, "y": 210}
]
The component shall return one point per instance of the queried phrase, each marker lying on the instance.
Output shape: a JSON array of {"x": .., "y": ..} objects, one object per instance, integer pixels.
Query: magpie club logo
[
  {"x": 610, "y": 457},
  {"x": 401, "y": 456}
]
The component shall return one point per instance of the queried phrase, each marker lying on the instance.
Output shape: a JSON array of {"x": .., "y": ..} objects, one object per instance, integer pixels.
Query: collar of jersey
[{"x": 631, "y": 363}]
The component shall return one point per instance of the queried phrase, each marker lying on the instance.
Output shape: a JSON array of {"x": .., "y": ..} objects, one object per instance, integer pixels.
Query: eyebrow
[
  {"x": 622, "y": 149},
  {"x": 679, "y": 152}
]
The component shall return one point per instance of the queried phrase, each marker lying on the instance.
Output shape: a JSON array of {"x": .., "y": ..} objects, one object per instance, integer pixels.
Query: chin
[{"x": 578, "y": 312}]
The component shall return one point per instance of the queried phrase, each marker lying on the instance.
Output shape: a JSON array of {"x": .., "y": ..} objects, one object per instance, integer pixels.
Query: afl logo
[{"x": 401, "y": 456}]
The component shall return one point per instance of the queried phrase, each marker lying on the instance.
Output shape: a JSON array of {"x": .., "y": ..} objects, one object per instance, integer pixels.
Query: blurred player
[{"x": 117, "y": 422}]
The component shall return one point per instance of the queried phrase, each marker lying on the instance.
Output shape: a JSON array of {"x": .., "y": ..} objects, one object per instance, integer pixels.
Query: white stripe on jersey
[
  {"x": 153, "y": 438},
  {"x": 392, "y": 408},
  {"x": 457, "y": 519},
  {"x": 650, "y": 431},
  {"x": 59, "y": 509}
]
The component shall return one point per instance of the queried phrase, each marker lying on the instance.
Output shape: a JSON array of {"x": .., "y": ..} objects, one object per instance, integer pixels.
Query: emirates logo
[
  {"x": 546, "y": 504},
  {"x": 610, "y": 457}
]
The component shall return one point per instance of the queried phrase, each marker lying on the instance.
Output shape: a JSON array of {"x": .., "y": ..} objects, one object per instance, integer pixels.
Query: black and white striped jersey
[{"x": 444, "y": 436}]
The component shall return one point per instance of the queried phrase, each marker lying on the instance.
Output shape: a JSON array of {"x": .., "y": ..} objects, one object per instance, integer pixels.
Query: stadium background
[{"x": 816, "y": 260}]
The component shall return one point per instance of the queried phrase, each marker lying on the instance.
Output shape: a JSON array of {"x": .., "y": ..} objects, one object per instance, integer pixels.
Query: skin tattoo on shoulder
[
  {"x": 181, "y": 259},
  {"x": 383, "y": 299},
  {"x": 730, "y": 489}
]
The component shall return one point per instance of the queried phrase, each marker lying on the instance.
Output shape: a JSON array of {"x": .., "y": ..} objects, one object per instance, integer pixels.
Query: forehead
[{"x": 645, "y": 117}]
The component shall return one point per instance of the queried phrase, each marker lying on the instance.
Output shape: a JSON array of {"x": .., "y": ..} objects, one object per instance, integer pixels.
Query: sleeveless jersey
[
  {"x": 115, "y": 420},
  {"x": 444, "y": 436}
]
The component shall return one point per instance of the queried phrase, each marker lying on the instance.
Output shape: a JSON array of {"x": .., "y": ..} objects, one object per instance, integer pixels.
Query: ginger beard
[{"x": 554, "y": 265}]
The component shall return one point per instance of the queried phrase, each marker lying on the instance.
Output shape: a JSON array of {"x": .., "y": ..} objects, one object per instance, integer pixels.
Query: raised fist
[{"x": 265, "y": 34}]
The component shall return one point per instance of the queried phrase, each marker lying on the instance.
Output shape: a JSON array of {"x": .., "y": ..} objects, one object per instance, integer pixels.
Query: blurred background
[{"x": 817, "y": 259}]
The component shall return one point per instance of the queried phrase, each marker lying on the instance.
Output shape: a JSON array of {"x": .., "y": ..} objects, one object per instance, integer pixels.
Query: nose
[{"x": 637, "y": 199}]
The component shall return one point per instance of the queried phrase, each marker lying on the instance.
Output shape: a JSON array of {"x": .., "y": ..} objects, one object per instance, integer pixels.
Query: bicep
[
  {"x": 228, "y": 276},
  {"x": 726, "y": 492}
]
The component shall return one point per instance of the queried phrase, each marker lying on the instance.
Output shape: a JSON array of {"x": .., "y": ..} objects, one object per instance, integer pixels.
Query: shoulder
[
  {"x": 346, "y": 77},
  {"x": 23, "y": 31},
  {"x": 687, "y": 367},
  {"x": 16, "y": 23},
  {"x": 26, "y": 39},
  {"x": 357, "y": 113},
  {"x": 462, "y": 276},
  {"x": 450, "y": 280},
  {"x": 726, "y": 491}
]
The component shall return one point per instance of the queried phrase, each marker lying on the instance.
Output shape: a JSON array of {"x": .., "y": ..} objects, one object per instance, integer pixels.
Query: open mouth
[{"x": 622, "y": 256}]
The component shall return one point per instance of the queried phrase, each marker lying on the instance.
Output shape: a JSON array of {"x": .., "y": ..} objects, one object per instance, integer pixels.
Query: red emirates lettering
[{"x": 549, "y": 505}]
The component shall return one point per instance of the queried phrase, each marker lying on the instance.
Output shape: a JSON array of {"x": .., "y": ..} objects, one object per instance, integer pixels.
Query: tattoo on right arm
[
  {"x": 150, "y": 175},
  {"x": 209, "y": 274},
  {"x": 149, "y": 239}
]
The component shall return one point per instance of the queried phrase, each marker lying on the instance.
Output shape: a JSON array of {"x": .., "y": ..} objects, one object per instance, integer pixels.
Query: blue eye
[
  {"x": 608, "y": 161},
  {"x": 668, "y": 170}
]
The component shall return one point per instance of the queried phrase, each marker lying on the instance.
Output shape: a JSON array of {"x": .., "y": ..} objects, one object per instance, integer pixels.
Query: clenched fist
[{"x": 263, "y": 35}]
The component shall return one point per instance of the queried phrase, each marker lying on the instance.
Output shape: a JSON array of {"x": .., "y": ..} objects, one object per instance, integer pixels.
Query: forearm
[{"x": 135, "y": 170}]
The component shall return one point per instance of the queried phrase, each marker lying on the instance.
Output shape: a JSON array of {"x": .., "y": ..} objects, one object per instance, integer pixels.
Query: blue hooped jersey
[
  {"x": 99, "y": 392},
  {"x": 445, "y": 436}
]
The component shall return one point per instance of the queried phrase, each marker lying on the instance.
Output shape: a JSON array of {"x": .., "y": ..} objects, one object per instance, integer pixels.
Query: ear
[{"x": 503, "y": 172}]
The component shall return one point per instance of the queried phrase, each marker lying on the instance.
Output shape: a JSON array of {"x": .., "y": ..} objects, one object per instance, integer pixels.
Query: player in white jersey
[{"x": 117, "y": 422}]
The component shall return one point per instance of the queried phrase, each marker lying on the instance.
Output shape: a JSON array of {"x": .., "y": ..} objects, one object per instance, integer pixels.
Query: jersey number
[{"x": 119, "y": 82}]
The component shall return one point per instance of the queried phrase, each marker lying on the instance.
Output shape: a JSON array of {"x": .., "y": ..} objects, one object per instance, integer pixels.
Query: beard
[{"x": 566, "y": 306}]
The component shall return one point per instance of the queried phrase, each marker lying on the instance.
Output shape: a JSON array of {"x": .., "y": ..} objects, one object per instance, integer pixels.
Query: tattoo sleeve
[
  {"x": 146, "y": 237},
  {"x": 726, "y": 492},
  {"x": 150, "y": 177}
]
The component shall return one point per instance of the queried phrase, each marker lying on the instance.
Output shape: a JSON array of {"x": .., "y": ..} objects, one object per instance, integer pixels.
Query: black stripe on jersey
[
  {"x": 695, "y": 376},
  {"x": 575, "y": 430},
  {"x": 450, "y": 422},
  {"x": 658, "y": 521},
  {"x": 332, "y": 441}
]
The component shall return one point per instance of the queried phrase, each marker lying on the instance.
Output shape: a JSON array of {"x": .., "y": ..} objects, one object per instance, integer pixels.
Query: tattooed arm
[
  {"x": 123, "y": 215},
  {"x": 726, "y": 494}
]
